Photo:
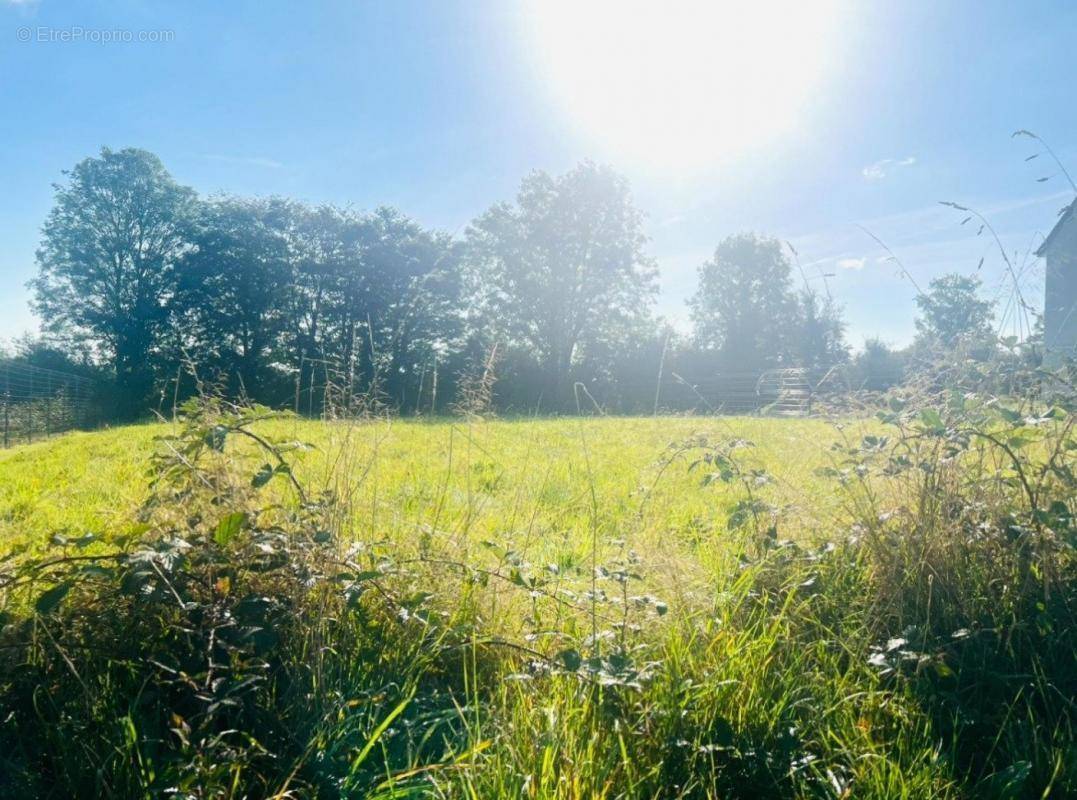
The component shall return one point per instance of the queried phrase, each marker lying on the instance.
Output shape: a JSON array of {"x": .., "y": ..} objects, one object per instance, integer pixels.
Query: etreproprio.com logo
[{"x": 77, "y": 33}]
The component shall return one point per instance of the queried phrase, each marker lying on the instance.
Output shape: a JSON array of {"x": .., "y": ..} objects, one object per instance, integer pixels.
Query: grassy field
[
  {"x": 564, "y": 608},
  {"x": 525, "y": 480}
]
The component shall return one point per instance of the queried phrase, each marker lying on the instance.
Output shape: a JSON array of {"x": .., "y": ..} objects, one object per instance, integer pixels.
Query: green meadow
[
  {"x": 526, "y": 480},
  {"x": 546, "y": 608}
]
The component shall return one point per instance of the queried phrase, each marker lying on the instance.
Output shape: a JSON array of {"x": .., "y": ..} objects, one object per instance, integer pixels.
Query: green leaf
[
  {"x": 1009, "y": 414},
  {"x": 228, "y": 527},
  {"x": 942, "y": 670},
  {"x": 216, "y": 436},
  {"x": 1055, "y": 413},
  {"x": 84, "y": 540},
  {"x": 930, "y": 419},
  {"x": 1023, "y": 436},
  {"x": 49, "y": 600},
  {"x": 570, "y": 659},
  {"x": 262, "y": 476},
  {"x": 376, "y": 735}
]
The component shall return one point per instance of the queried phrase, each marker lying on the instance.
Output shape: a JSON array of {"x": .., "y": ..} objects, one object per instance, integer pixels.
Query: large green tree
[
  {"x": 371, "y": 297},
  {"x": 744, "y": 308},
  {"x": 416, "y": 307},
  {"x": 563, "y": 269},
  {"x": 229, "y": 308},
  {"x": 952, "y": 313},
  {"x": 395, "y": 300},
  {"x": 107, "y": 262},
  {"x": 819, "y": 339}
]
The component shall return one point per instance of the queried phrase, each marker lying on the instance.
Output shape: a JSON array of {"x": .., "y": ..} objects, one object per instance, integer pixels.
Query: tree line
[{"x": 140, "y": 278}]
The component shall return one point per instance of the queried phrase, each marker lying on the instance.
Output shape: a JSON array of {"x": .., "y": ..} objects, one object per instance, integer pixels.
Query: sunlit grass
[
  {"x": 753, "y": 680},
  {"x": 471, "y": 481}
]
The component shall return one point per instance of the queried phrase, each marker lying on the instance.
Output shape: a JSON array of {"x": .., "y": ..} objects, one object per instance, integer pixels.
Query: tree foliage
[
  {"x": 279, "y": 300},
  {"x": 746, "y": 313},
  {"x": 952, "y": 312},
  {"x": 563, "y": 271},
  {"x": 878, "y": 367},
  {"x": 229, "y": 307},
  {"x": 820, "y": 337},
  {"x": 108, "y": 256}
]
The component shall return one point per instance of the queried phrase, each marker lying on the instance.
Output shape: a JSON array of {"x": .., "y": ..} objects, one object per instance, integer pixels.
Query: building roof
[{"x": 1064, "y": 217}]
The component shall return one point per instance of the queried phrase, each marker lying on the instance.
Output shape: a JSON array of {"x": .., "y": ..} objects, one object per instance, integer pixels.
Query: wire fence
[
  {"x": 795, "y": 391},
  {"x": 36, "y": 403}
]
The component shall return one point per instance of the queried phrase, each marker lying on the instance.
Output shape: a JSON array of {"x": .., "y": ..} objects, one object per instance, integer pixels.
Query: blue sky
[{"x": 440, "y": 108}]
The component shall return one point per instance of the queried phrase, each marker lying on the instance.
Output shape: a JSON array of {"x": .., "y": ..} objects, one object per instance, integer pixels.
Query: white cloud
[
  {"x": 851, "y": 263},
  {"x": 880, "y": 169},
  {"x": 253, "y": 161}
]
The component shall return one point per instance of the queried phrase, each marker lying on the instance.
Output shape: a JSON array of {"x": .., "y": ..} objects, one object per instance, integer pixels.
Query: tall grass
[{"x": 253, "y": 633}]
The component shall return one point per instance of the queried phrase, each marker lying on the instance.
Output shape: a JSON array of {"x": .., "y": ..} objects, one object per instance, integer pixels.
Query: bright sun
[{"x": 682, "y": 85}]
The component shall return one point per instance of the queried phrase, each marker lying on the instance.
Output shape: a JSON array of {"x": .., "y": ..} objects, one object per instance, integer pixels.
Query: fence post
[
  {"x": 434, "y": 393},
  {"x": 299, "y": 381},
  {"x": 30, "y": 412},
  {"x": 7, "y": 418},
  {"x": 661, "y": 367}
]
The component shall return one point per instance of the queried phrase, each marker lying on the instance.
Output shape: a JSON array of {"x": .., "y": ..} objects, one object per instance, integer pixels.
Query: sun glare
[{"x": 684, "y": 85}]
